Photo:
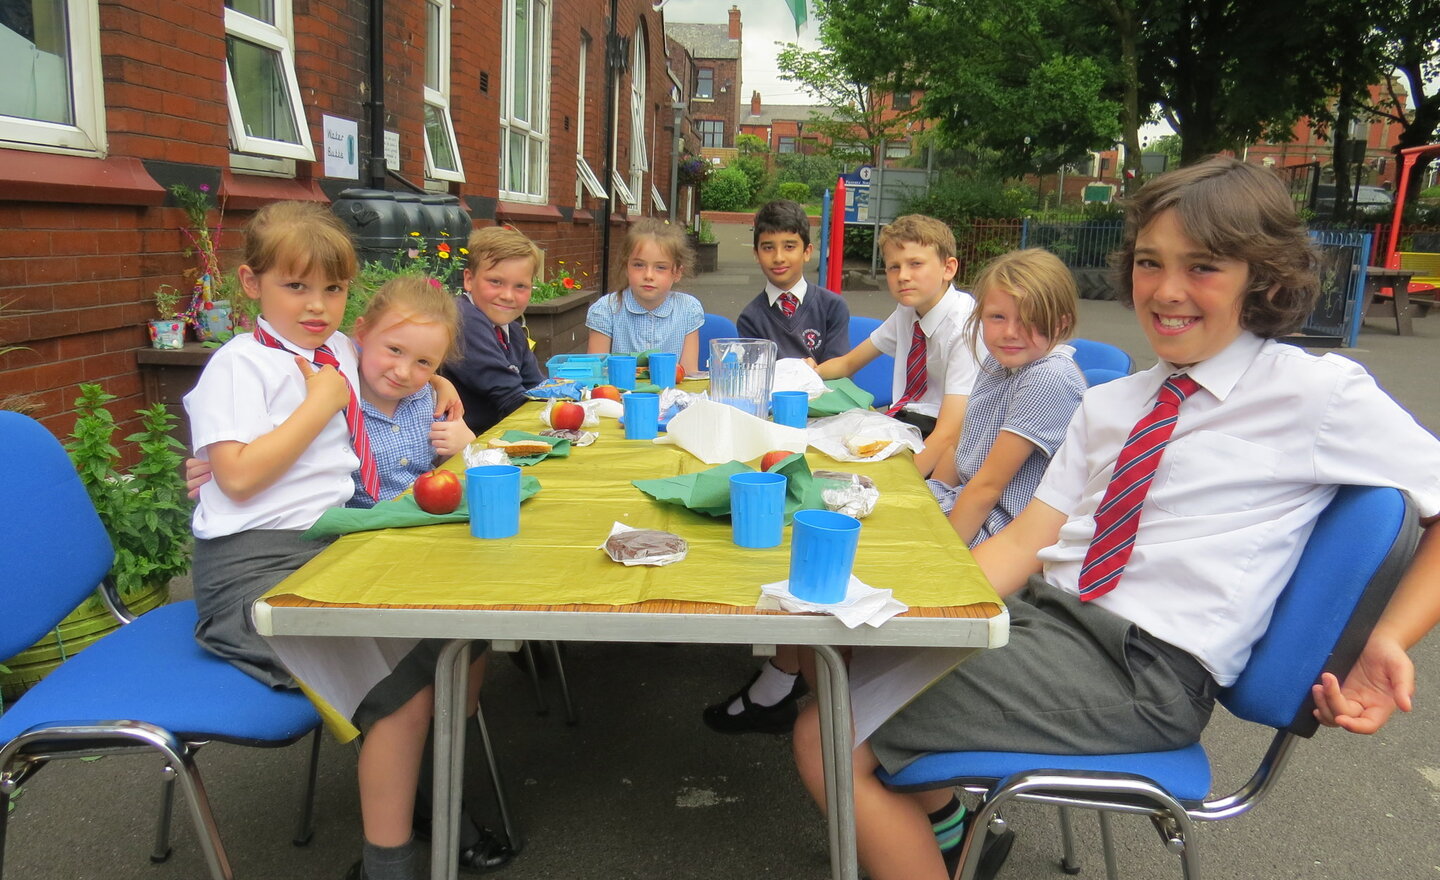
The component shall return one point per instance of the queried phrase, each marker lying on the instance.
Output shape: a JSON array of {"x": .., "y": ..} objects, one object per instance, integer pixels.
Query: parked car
[{"x": 1365, "y": 198}]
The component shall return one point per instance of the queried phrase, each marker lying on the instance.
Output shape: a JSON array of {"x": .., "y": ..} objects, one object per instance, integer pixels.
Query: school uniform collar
[
  {"x": 1218, "y": 374},
  {"x": 307, "y": 353},
  {"x": 932, "y": 319},
  {"x": 773, "y": 293},
  {"x": 632, "y": 305}
]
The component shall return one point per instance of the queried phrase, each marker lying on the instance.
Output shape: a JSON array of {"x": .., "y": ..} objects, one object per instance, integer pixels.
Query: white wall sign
[
  {"x": 341, "y": 148},
  {"x": 392, "y": 150}
]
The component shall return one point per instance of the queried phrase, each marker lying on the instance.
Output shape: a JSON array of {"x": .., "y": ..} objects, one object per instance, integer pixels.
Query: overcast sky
[{"x": 762, "y": 23}]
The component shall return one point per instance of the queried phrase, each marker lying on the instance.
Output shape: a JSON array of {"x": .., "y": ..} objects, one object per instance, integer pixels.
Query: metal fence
[{"x": 983, "y": 240}]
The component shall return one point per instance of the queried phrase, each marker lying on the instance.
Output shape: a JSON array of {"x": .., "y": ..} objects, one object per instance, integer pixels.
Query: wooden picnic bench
[{"x": 1425, "y": 284}]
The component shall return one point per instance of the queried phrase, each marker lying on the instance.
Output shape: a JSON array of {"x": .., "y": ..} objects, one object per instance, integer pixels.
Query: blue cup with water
[
  {"x": 492, "y": 493},
  {"x": 642, "y": 415},
  {"x": 757, "y": 509},
  {"x": 662, "y": 368},
  {"x": 822, "y": 554},
  {"x": 620, "y": 370},
  {"x": 790, "y": 408}
]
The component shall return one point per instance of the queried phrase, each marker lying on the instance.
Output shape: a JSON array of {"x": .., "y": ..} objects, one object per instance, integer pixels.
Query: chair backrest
[
  {"x": 1099, "y": 376},
  {"x": 1090, "y": 354},
  {"x": 876, "y": 376},
  {"x": 715, "y": 327},
  {"x": 55, "y": 551},
  {"x": 1361, "y": 545}
]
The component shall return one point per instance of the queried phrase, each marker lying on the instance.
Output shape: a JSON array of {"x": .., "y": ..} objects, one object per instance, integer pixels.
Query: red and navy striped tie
[
  {"x": 354, "y": 416},
  {"x": 915, "y": 381},
  {"x": 1118, "y": 516},
  {"x": 788, "y": 303}
]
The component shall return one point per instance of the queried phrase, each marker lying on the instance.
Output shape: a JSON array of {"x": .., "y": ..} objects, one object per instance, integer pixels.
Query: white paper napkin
[
  {"x": 862, "y": 603},
  {"x": 793, "y": 374},
  {"x": 716, "y": 433}
]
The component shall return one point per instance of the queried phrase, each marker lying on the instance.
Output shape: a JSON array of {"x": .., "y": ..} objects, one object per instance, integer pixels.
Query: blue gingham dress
[
  {"x": 400, "y": 444},
  {"x": 632, "y": 328}
]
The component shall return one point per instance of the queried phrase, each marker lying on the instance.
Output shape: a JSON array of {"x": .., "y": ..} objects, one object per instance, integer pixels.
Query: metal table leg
[
  {"x": 833, "y": 684},
  {"x": 452, "y": 672}
]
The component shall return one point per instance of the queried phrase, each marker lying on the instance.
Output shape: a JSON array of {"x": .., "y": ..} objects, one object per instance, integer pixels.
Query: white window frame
[
  {"x": 86, "y": 134},
  {"x": 623, "y": 191},
  {"x": 438, "y": 96},
  {"x": 639, "y": 151},
  {"x": 710, "y": 94},
  {"x": 278, "y": 38},
  {"x": 585, "y": 179},
  {"x": 535, "y": 129},
  {"x": 660, "y": 205}
]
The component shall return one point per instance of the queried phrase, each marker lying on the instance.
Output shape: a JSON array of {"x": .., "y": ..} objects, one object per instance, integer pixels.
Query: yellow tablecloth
[{"x": 905, "y": 545}]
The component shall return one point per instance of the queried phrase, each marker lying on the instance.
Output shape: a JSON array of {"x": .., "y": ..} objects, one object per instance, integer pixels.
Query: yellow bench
[{"x": 1426, "y": 267}]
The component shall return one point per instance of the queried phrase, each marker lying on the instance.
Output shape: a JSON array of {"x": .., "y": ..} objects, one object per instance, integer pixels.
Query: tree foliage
[{"x": 857, "y": 112}]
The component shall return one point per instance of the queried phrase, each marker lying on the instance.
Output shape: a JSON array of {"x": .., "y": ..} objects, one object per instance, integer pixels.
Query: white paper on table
[
  {"x": 862, "y": 603},
  {"x": 885, "y": 678},
  {"x": 593, "y": 411},
  {"x": 793, "y": 374},
  {"x": 830, "y": 434},
  {"x": 716, "y": 433}
]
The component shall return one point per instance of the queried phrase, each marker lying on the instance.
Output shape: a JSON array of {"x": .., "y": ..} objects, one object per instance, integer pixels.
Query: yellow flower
[{"x": 416, "y": 234}]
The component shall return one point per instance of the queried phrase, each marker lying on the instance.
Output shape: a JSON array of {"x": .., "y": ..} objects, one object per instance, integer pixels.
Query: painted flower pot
[
  {"x": 168, "y": 335},
  {"x": 213, "y": 321}
]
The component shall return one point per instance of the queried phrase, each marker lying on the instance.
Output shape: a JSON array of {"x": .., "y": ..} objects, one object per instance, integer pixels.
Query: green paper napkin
[
  {"x": 650, "y": 387},
  {"x": 559, "y": 447},
  {"x": 708, "y": 491},
  {"x": 398, "y": 513},
  {"x": 843, "y": 396}
]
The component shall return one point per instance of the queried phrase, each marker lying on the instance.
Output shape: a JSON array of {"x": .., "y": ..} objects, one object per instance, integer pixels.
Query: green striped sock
[{"x": 948, "y": 823}]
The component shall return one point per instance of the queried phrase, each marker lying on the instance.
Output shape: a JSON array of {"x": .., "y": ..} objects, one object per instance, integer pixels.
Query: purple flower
[{"x": 204, "y": 187}]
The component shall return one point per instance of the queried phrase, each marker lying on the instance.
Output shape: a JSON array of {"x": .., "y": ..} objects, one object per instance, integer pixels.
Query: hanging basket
[{"x": 82, "y": 627}]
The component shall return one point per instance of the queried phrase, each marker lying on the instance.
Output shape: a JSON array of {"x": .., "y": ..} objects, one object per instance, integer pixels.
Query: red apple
[
  {"x": 679, "y": 374},
  {"x": 773, "y": 458},
  {"x": 567, "y": 416},
  {"x": 438, "y": 491},
  {"x": 608, "y": 392}
]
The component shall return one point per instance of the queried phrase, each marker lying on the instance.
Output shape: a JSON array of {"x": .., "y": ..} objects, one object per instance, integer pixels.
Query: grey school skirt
[
  {"x": 231, "y": 572},
  {"x": 1073, "y": 679}
]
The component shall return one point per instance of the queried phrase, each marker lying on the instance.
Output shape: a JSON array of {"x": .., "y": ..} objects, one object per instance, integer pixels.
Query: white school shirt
[
  {"x": 246, "y": 390},
  {"x": 772, "y": 292},
  {"x": 951, "y": 364},
  {"x": 1256, "y": 455}
]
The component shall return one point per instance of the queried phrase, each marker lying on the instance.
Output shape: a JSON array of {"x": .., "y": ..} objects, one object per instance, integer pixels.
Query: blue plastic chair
[
  {"x": 1099, "y": 376},
  {"x": 1351, "y": 564},
  {"x": 875, "y": 376},
  {"x": 715, "y": 327},
  {"x": 146, "y": 686},
  {"x": 1090, "y": 354}
]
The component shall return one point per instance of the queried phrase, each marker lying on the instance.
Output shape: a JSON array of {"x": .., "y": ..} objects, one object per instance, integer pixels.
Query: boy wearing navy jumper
[
  {"x": 1174, "y": 512},
  {"x": 803, "y": 320},
  {"x": 496, "y": 366}
]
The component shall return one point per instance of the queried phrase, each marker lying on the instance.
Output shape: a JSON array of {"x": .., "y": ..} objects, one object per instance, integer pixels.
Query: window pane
[
  {"x": 260, "y": 89},
  {"x": 705, "y": 83},
  {"x": 535, "y": 185},
  {"x": 515, "y": 163},
  {"x": 263, "y": 10},
  {"x": 35, "y": 53},
  {"x": 436, "y": 132},
  {"x": 539, "y": 67},
  {"x": 432, "y": 46},
  {"x": 520, "y": 69}
]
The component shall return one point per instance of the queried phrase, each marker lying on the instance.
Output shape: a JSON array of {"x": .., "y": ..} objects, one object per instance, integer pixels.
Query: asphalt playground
[{"x": 639, "y": 788}]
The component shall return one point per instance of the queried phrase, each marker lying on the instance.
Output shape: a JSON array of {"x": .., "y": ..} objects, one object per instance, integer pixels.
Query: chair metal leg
[
  {"x": 306, "y": 829},
  {"x": 167, "y": 809},
  {"x": 541, "y": 707},
  {"x": 511, "y": 833},
  {"x": 4, "y": 823},
  {"x": 1068, "y": 861},
  {"x": 570, "y": 717},
  {"x": 1107, "y": 846}
]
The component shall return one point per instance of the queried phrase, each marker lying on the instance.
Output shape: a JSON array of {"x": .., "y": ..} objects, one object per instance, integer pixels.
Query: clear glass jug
[{"x": 742, "y": 372}]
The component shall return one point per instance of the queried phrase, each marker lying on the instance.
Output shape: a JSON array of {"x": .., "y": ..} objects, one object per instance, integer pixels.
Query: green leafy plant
[
  {"x": 727, "y": 190},
  {"x": 167, "y": 302},
  {"x": 146, "y": 511},
  {"x": 563, "y": 281},
  {"x": 794, "y": 191},
  {"x": 441, "y": 259},
  {"x": 206, "y": 275},
  {"x": 706, "y": 235}
]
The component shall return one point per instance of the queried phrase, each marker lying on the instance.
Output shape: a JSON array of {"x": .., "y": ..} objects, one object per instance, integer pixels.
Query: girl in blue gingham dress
[
  {"x": 647, "y": 315},
  {"x": 1029, "y": 387}
]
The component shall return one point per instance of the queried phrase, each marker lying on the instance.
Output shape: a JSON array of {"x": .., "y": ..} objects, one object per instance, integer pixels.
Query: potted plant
[
  {"x": 209, "y": 309},
  {"x": 707, "y": 249},
  {"x": 146, "y": 513},
  {"x": 555, "y": 319},
  {"x": 168, "y": 332}
]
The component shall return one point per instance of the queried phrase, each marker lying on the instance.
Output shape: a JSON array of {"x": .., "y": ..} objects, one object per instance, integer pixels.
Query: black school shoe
[
  {"x": 993, "y": 853},
  {"x": 754, "y": 718},
  {"x": 489, "y": 853}
]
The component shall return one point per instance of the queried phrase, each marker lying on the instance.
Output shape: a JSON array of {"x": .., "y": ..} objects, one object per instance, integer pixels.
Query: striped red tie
[
  {"x": 500, "y": 336},
  {"x": 1118, "y": 516},
  {"x": 915, "y": 380},
  {"x": 788, "y": 302},
  {"x": 354, "y": 416}
]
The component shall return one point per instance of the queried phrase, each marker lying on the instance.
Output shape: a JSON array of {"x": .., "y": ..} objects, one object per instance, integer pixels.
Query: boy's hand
[
  {"x": 1382, "y": 680},
  {"x": 447, "y": 400},
  {"x": 326, "y": 385},
  {"x": 449, "y": 437},
  {"x": 197, "y": 474}
]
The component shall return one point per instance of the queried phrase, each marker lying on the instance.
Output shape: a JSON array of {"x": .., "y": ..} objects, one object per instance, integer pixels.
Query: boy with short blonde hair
[
  {"x": 496, "y": 366},
  {"x": 935, "y": 365}
]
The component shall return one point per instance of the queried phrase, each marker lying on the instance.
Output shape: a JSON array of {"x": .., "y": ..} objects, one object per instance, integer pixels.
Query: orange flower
[
  {"x": 570, "y": 283},
  {"x": 443, "y": 248}
]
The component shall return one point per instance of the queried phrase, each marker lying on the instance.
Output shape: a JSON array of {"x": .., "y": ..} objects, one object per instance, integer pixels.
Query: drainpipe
[
  {"x": 612, "y": 64},
  {"x": 377, "y": 94},
  {"x": 679, "y": 109}
]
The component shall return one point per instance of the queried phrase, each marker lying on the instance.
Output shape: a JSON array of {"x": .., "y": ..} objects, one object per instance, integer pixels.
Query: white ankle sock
[{"x": 771, "y": 687}]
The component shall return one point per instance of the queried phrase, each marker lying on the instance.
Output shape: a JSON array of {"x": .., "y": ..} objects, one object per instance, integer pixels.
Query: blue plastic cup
[
  {"x": 620, "y": 369},
  {"x": 790, "y": 408},
  {"x": 757, "y": 509},
  {"x": 822, "y": 553},
  {"x": 642, "y": 415},
  {"x": 662, "y": 368},
  {"x": 493, "y": 493}
]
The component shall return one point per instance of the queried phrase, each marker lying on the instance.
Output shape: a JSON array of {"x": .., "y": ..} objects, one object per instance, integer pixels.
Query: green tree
[{"x": 853, "y": 111}]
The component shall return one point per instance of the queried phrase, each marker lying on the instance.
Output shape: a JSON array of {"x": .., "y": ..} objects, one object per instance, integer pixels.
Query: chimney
[
  {"x": 754, "y": 103},
  {"x": 734, "y": 22}
]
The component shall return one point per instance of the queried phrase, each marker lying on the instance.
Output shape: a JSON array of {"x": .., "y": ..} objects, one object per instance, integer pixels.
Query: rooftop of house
[
  {"x": 771, "y": 113},
  {"x": 704, "y": 40}
]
